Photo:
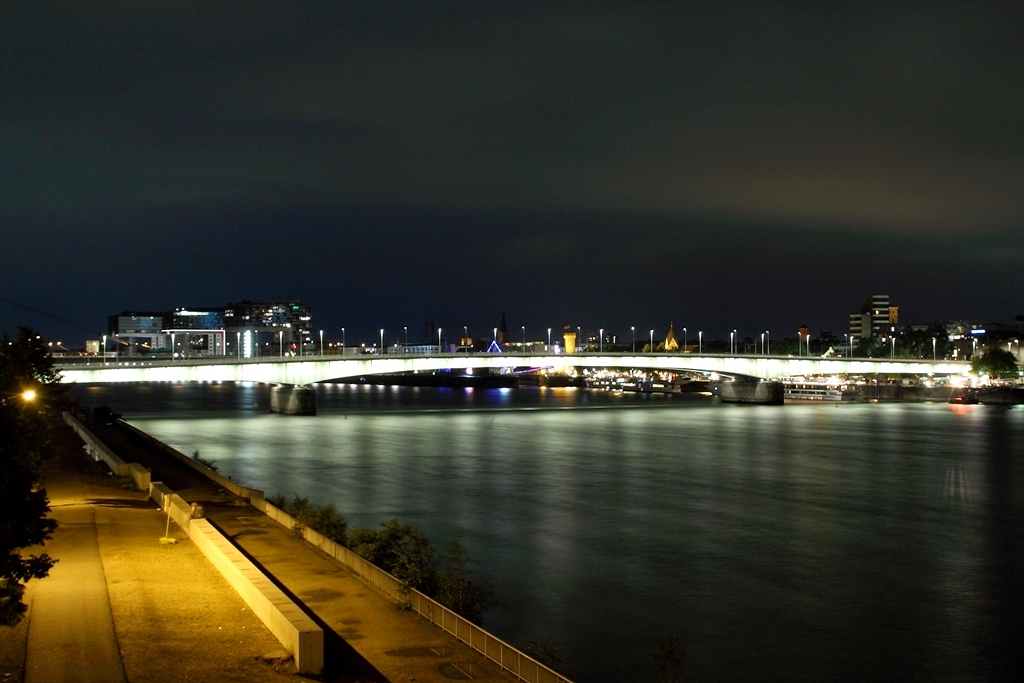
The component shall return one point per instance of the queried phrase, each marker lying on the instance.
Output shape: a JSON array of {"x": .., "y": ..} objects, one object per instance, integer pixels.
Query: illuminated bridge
[{"x": 305, "y": 370}]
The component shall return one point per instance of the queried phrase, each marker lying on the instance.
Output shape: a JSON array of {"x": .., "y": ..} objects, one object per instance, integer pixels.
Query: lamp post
[
  {"x": 406, "y": 329},
  {"x": 684, "y": 340},
  {"x": 465, "y": 335},
  {"x": 632, "y": 331},
  {"x": 933, "y": 349},
  {"x": 700, "y": 342},
  {"x": 768, "y": 341},
  {"x": 732, "y": 342},
  {"x": 652, "y": 341},
  {"x": 762, "y": 344},
  {"x": 549, "y": 340},
  {"x": 439, "y": 340},
  {"x": 495, "y": 336},
  {"x": 892, "y": 354},
  {"x": 600, "y": 340},
  {"x": 105, "y": 349},
  {"x": 321, "y": 342},
  {"x": 238, "y": 345},
  {"x": 524, "y": 337},
  {"x": 381, "y": 340},
  {"x": 343, "y": 342},
  {"x": 579, "y": 338}
]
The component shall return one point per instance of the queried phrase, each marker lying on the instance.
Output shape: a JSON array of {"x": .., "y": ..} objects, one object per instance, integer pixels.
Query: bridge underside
[{"x": 320, "y": 369}]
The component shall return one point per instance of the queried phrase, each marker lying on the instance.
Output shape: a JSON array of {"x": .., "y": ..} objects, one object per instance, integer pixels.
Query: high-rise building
[{"x": 875, "y": 318}]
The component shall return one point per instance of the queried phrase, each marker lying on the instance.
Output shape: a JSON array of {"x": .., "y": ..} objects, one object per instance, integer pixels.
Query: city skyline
[{"x": 724, "y": 167}]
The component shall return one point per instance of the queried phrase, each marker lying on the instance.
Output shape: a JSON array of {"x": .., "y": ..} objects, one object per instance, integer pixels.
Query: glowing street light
[
  {"x": 524, "y": 337},
  {"x": 684, "y": 340},
  {"x": 104, "y": 349},
  {"x": 600, "y": 341},
  {"x": 381, "y": 340},
  {"x": 768, "y": 341},
  {"x": 549, "y": 339},
  {"x": 652, "y": 341},
  {"x": 732, "y": 342},
  {"x": 321, "y": 342},
  {"x": 632, "y": 331},
  {"x": 700, "y": 342},
  {"x": 933, "y": 348},
  {"x": 343, "y": 342},
  {"x": 439, "y": 340},
  {"x": 762, "y": 344},
  {"x": 892, "y": 354},
  {"x": 238, "y": 345}
]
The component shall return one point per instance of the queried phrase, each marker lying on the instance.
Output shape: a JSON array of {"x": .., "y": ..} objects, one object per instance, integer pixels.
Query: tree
[
  {"x": 30, "y": 392},
  {"x": 401, "y": 550},
  {"x": 996, "y": 362},
  {"x": 456, "y": 588}
]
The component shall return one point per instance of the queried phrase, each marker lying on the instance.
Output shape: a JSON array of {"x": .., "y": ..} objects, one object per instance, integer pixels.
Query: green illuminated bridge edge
[{"x": 309, "y": 369}]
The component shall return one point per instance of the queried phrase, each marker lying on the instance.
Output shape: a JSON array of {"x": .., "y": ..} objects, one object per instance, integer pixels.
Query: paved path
[{"x": 71, "y": 628}]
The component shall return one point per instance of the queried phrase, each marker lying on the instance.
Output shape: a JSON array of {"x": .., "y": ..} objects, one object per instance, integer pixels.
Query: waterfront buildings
[{"x": 237, "y": 328}]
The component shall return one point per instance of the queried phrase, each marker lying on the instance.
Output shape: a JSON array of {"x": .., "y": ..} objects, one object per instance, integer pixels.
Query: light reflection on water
[{"x": 813, "y": 542}]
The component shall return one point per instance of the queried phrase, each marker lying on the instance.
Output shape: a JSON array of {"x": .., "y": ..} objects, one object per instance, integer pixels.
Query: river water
[{"x": 800, "y": 542}]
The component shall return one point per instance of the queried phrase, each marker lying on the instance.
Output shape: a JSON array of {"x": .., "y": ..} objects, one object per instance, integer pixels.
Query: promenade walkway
[{"x": 168, "y": 610}]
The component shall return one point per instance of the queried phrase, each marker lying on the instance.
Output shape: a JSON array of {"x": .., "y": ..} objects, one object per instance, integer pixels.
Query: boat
[{"x": 797, "y": 389}]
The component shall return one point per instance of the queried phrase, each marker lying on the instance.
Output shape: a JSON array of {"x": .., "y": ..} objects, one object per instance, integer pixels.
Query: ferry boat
[{"x": 798, "y": 389}]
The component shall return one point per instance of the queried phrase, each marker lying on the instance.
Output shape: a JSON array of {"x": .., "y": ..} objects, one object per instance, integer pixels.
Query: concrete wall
[
  {"x": 97, "y": 448},
  {"x": 299, "y": 634}
]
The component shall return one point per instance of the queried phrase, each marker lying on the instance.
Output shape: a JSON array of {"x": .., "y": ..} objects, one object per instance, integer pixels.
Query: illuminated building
[{"x": 876, "y": 317}]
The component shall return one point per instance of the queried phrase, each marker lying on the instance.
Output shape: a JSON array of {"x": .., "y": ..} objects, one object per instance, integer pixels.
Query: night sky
[{"x": 719, "y": 165}]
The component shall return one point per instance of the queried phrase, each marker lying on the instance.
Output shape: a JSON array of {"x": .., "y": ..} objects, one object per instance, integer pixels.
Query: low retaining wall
[
  {"x": 299, "y": 634},
  {"x": 493, "y": 648},
  {"x": 97, "y": 448}
]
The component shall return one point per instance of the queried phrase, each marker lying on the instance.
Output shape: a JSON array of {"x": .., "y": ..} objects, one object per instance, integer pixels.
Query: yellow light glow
[{"x": 28, "y": 395}]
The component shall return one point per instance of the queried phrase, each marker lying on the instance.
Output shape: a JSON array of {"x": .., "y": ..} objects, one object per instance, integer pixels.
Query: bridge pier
[
  {"x": 289, "y": 399},
  {"x": 751, "y": 390}
]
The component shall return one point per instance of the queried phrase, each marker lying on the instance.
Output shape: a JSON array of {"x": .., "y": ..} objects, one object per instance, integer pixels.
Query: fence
[{"x": 498, "y": 651}]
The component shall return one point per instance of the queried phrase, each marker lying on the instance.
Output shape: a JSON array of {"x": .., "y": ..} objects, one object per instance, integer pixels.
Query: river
[{"x": 780, "y": 543}]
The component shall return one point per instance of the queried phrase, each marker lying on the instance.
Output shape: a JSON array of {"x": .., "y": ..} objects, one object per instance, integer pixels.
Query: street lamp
[
  {"x": 892, "y": 354},
  {"x": 600, "y": 341},
  {"x": 684, "y": 340},
  {"x": 524, "y": 337},
  {"x": 238, "y": 345},
  {"x": 632, "y": 331},
  {"x": 933, "y": 348},
  {"x": 768, "y": 340},
  {"x": 549, "y": 339},
  {"x": 762, "y": 344},
  {"x": 343, "y": 342},
  {"x": 732, "y": 342},
  {"x": 406, "y": 328},
  {"x": 495, "y": 337},
  {"x": 104, "y": 349},
  {"x": 652, "y": 341},
  {"x": 439, "y": 340},
  {"x": 321, "y": 342},
  {"x": 381, "y": 340}
]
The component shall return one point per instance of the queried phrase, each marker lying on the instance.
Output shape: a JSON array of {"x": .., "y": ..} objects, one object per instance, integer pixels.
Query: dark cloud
[{"x": 722, "y": 161}]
